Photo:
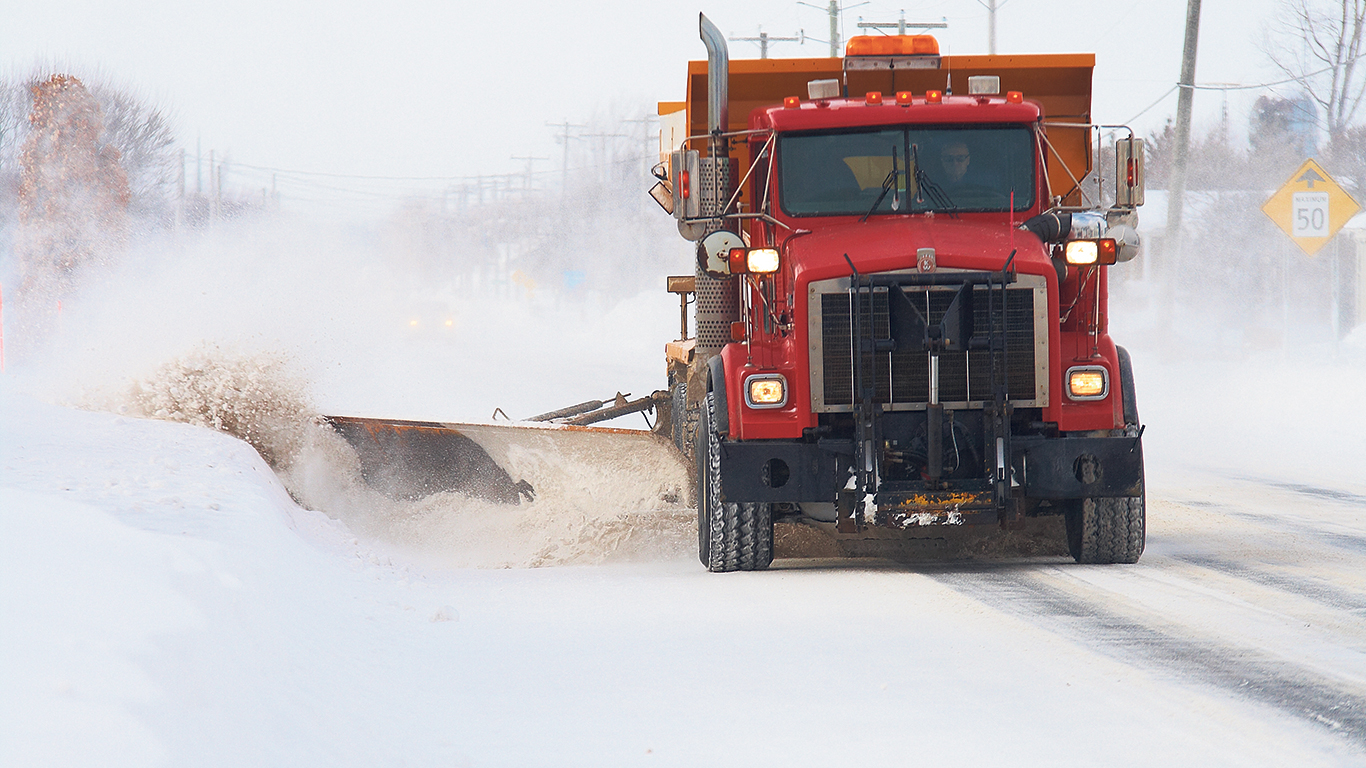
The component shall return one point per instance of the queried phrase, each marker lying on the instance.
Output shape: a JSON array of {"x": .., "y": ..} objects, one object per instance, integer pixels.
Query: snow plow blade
[{"x": 414, "y": 459}]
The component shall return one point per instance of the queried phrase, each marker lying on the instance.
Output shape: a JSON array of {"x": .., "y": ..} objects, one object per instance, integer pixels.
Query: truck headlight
[
  {"x": 1088, "y": 382},
  {"x": 1084, "y": 253},
  {"x": 766, "y": 390},
  {"x": 762, "y": 261}
]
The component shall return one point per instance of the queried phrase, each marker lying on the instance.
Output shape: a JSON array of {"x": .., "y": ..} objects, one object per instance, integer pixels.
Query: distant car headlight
[
  {"x": 1088, "y": 382},
  {"x": 766, "y": 390}
]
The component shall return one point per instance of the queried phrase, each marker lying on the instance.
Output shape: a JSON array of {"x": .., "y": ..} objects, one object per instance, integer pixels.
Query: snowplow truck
[{"x": 901, "y": 296}]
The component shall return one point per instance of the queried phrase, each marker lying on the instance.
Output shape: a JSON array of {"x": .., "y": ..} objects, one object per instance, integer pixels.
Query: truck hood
[{"x": 889, "y": 243}]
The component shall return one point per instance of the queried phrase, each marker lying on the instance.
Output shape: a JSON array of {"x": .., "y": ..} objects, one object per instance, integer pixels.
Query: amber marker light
[
  {"x": 762, "y": 261},
  {"x": 737, "y": 331},
  {"x": 1088, "y": 382},
  {"x": 766, "y": 390},
  {"x": 735, "y": 258},
  {"x": 1014, "y": 97},
  {"x": 903, "y": 98},
  {"x": 873, "y": 98},
  {"x": 792, "y": 102},
  {"x": 934, "y": 97}
]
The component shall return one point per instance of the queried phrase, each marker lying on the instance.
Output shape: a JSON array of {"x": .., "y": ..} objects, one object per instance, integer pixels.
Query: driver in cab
[{"x": 955, "y": 159}]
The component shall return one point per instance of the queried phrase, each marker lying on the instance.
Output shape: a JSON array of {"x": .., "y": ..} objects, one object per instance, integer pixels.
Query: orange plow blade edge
[{"x": 414, "y": 459}]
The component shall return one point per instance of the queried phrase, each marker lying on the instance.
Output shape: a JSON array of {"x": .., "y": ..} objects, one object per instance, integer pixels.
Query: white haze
[
  {"x": 421, "y": 88},
  {"x": 331, "y": 312}
]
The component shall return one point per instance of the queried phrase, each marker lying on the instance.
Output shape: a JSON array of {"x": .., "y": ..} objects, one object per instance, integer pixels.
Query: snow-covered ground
[{"x": 167, "y": 602}]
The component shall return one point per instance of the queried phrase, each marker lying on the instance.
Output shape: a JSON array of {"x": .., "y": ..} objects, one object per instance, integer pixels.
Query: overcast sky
[{"x": 422, "y": 88}]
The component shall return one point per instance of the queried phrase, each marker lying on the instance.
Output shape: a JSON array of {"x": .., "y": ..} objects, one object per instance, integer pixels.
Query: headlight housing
[
  {"x": 1086, "y": 253},
  {"x": 766, "y": 390},
  {"x": 1088, "y": 382},
  {"x": 754, "y": 261}
]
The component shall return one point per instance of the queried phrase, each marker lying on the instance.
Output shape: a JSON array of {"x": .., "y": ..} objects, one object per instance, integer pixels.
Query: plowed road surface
[{"x": 166, "y": 603}]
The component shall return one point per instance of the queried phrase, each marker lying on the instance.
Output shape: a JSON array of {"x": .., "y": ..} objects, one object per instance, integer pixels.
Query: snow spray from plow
[
  {"x": 514, "y": 494},
  {"x": 452, "y": 495}
]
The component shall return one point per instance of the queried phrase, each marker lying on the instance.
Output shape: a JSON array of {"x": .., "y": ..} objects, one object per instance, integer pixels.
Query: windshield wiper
[
  {"x": 888, "y": 184},
  {"x": 939, "y": 199}
]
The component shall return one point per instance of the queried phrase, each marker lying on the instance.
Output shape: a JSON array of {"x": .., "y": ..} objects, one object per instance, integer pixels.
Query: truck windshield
[{"x": 938, "y": 168}]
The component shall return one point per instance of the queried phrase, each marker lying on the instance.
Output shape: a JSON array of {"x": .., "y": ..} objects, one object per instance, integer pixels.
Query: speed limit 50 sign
[{"x": 1310, "y": 207}]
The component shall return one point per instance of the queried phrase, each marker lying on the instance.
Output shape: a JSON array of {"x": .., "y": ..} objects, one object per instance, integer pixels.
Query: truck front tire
[
  {"x": 730, "y": 536},
  {"x": 1107, "y": 530}
]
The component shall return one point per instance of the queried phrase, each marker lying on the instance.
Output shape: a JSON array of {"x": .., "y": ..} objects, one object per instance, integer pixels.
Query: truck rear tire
[
  {"x": 1107, "y": 530},
  {"x": 730, "y": 536}
]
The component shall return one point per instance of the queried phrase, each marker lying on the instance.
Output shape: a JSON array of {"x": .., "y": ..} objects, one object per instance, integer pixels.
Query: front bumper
[{"x": 1050, "y": 468}]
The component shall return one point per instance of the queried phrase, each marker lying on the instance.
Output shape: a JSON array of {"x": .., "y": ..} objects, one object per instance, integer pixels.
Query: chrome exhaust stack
[{"x": 718, "y": 83}]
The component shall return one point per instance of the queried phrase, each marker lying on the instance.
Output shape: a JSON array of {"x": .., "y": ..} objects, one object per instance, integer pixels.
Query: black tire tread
[
  {"x": 731, "y": 536},
  {"x": 1108, "y": 530}
]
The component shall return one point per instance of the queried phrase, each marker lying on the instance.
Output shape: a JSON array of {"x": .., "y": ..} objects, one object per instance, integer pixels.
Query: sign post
[{"x": 1310, "y": 207}]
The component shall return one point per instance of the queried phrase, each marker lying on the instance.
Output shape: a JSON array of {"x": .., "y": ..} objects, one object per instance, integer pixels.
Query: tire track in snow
[
  {"x": 1318, "y": 591},
  {"x": 1351, "y": 542},
  {"x": 1249, "y": 674},
  {"x": 1354, "y": 499}
]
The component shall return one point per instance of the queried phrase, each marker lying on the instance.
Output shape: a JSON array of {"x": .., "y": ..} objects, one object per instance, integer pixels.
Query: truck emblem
[{"x": 924, "y": 259}]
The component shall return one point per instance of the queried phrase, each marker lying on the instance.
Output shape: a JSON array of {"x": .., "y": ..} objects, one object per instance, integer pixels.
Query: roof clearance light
[
  {"x": 934, "y": 97},
  {"x": 1014, "y": 97},
  {"x": 904, "y": 99},
  {"x": 873, "y": 98},
  {"x": 792, "y": 102},
  {"x": 763, "y": 261}
]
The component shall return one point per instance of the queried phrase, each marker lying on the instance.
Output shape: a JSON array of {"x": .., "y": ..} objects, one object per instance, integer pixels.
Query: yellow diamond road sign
[{"x": 1310, "y": 207}]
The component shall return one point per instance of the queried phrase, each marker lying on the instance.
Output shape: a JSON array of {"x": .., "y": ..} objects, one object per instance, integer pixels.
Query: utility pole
[
  {"x": 564, "y": 138},
  {"x": 180, "y": 194},
  {"x": 213, "y": 199},
  {"x": 606, "y": 164},
  {"x": 901, "y": 25},
  {"x": 1176, "y": 191},
  {"x": 833, "y": 10},
  {"x": 526, "y": 180},
  {"x": 991, "y": 6},
  {"x": 763, "y": 40},
  {"x": 651, "y": 142}
]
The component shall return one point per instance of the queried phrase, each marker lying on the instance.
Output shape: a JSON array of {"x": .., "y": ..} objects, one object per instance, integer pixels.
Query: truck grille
[{"x": 901, "y": 378}]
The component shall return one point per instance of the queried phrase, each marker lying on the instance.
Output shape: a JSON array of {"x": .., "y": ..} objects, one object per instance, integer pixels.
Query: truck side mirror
[{"x": 1129, "y": 172}]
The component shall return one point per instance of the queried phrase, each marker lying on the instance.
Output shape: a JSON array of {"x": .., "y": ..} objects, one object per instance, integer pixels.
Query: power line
[
  {"x": 763, "y": 40},
  {"x": 344, "y": 175},
  {"x": 834, "y": 9},
  {"x": 901, "y": 25}
]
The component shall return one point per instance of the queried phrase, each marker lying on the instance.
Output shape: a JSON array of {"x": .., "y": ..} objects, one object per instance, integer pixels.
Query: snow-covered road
[{"x": 167, "y": 603}]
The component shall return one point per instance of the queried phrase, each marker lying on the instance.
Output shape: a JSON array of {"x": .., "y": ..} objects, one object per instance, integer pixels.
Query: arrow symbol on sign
[{"x": 1309, "y": 177}]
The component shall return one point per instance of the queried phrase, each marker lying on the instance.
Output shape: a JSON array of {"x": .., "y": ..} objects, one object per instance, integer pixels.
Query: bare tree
[
  {"x": 73, "y": 191},
  {"x": 1320, "y": 43},
  {"x": 139, "y": 131}
]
